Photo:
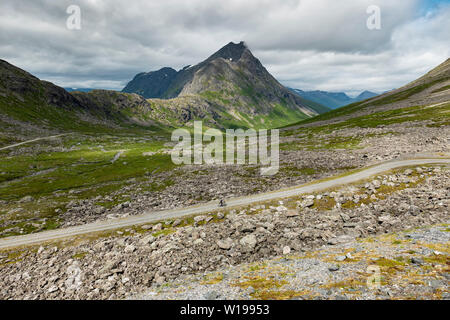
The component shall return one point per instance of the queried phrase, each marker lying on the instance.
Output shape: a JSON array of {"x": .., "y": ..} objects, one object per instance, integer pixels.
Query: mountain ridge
[
  {"x": 433, "y": 88},
  {"x": 219, "y": 91},
  {"x": 333, "y": 100},
  {"x": 29, "y": 100},
  {"x": 233, "y": 84}
]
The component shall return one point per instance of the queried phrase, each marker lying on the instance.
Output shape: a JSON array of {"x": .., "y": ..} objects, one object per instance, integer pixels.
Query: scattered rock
[
  {"x": 225, "y": 244},
  {"x": 220, "y": 215},
  {"x": 333, "y": 268},
  {"x": 198, "y": 241},
  {"x": 199, "y": 218},
  {"x": 147, "y": 240},
  {"x": 286, "y": 250},
  {"x": 212, "y": 295},
  {"x": 176, "y": 223},
  {"x": 157, "y": 227},
  {"x": 249, "y": 241},
  {"x": 26, "y": 199},
  {"x": 292, "y": 213}
]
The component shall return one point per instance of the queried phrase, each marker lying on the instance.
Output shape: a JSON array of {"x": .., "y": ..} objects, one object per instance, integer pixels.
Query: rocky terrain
[
  {"x": 132, "y": 261},
  {"x": 188, "y": 185},
  {"x": 405, "y": 265},
  {"x": 114, "y": 160},
  {"x": 303, "y": 158}
]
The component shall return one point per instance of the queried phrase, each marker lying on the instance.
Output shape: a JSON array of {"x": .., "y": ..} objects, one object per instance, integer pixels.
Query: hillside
[
  {"x": 431, "y": 88},
  {"x": 26, "y": 98},
  {"x": 230, "y": 88},
  {"x": 333, "y": 100}
]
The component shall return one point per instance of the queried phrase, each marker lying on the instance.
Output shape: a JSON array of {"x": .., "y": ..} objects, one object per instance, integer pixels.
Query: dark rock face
[
  {"x": 25, "y": 86},
  {"x": 231, "y": 51},
  {"x": 57, "y": 96},
  {"x": 151, "y": 84},
  {"x": 15, "y": 79}
]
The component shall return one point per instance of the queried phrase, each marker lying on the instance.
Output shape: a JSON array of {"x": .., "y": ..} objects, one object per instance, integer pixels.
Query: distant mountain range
[
  {"x": 229, "y": 89},
  {"x": 79, "y": 89},
  {"x": 333, "y": 100},
  {"x": 406, "y": 103},
  {"x": 155, "y": 84}
]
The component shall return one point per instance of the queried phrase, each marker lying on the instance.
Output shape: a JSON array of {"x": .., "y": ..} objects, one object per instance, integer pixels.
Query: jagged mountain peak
[
  {"x": 232, "y": 84},
  {"x": 232, "y": 51},
  {"x": 156, "y": 84}
]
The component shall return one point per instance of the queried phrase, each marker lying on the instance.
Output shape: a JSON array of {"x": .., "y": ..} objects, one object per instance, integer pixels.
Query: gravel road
[{"x": 211, "y": 206}]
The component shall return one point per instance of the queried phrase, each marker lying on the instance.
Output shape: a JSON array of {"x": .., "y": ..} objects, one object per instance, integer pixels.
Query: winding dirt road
[
  {"x": 32, "y": 140},
  {"x": 153, "y": 216}
]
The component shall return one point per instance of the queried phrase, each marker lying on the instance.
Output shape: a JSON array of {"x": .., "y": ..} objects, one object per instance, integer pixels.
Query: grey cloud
[{"x": 309, "y": 44}]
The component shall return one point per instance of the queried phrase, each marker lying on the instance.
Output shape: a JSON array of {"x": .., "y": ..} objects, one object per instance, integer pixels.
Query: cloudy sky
[{"x": 306, "y": 44}]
